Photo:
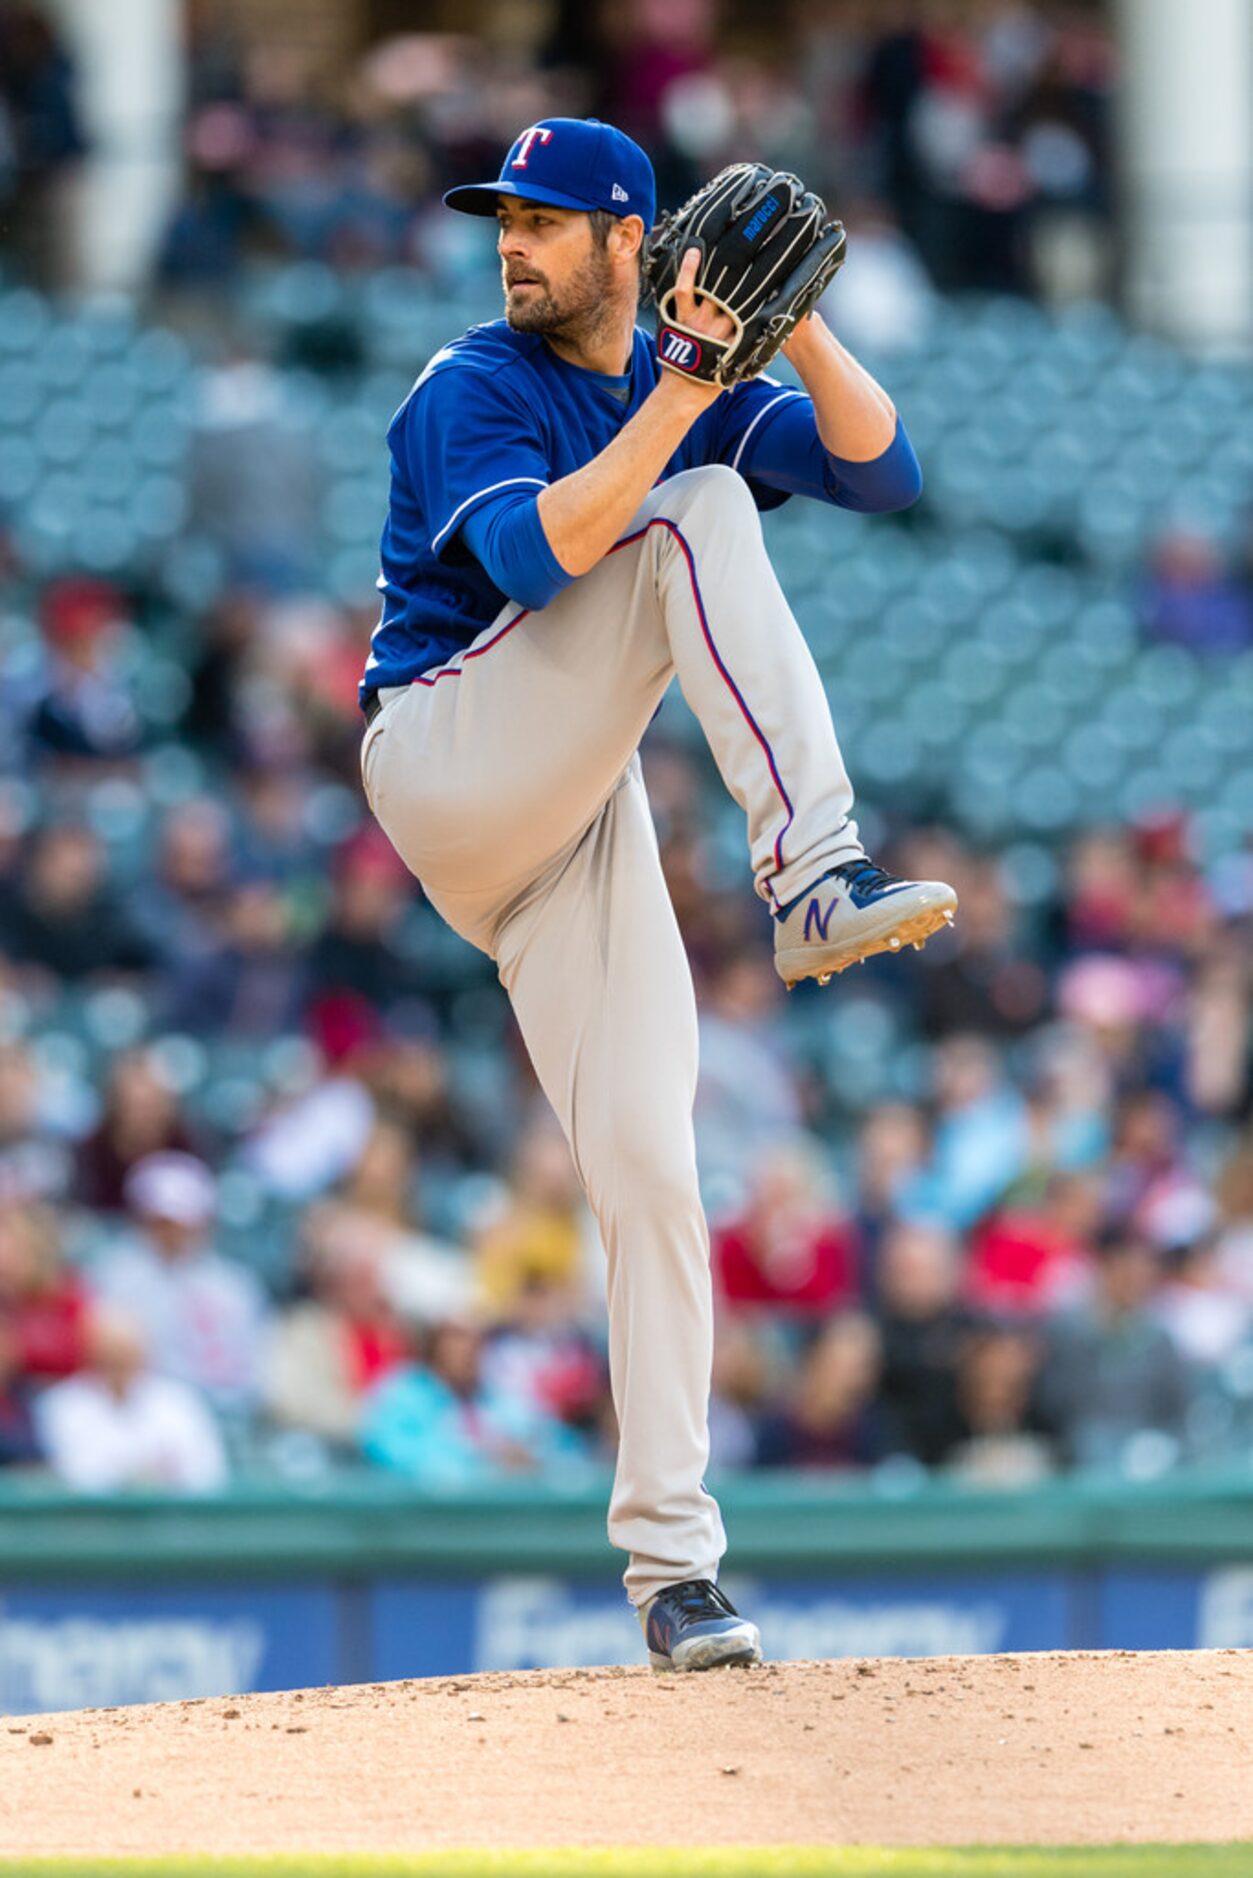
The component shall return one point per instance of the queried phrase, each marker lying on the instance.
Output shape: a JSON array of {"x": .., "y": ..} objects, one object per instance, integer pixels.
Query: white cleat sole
[
  {"x": 740, "y": 1648},
  {"x": 886, "y": 929}
]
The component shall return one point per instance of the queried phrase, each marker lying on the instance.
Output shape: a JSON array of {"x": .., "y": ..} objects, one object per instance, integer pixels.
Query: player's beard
[{"x": 578, "y": 314}]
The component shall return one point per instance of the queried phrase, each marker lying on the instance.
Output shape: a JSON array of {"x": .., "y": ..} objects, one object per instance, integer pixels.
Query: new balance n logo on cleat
[{"x": 816, "y": 921}]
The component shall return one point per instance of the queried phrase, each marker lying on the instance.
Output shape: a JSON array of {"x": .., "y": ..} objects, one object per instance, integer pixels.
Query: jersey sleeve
[
  {"x": 461, "y": 440},
  {"x": 507, "y": 539},
  {"x": 739, "y": 417},
  {"x": 770, "y": 435}
]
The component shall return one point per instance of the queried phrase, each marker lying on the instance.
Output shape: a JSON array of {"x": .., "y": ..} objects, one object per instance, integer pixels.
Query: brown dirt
[{"x": 947, "y": 1750}]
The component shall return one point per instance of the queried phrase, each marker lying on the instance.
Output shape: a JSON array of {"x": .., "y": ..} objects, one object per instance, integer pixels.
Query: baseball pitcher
[{"x": 573, "y": 523}]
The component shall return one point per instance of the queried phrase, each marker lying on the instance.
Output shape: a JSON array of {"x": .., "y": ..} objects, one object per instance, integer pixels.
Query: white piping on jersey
[
  {"x": 786, "y": 393},
  {"x": 478, "y": 494}
]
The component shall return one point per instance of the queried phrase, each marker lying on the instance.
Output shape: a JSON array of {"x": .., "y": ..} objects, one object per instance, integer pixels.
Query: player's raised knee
[{"x": 713, "y": 490}]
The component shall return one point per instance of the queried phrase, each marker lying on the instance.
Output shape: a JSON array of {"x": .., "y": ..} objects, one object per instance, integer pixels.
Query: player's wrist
[
  {"x": 689, "y": 396},
  {"x": 808, "y": 340}
]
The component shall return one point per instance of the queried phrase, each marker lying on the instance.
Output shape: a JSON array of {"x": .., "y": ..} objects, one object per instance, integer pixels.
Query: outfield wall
[{"x": 143, "y": 1599}]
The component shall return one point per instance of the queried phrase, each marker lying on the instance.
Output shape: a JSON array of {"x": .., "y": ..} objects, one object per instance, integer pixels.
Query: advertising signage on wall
[{"x": 95, "y": 1646}]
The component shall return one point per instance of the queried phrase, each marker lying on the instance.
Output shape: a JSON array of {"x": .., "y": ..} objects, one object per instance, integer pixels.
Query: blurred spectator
[
  {"x": 203, "y": 1315},
  {"x": 119, "y": 1424},
  {"x": 254, "y": 483},
  {"x": 1235, "y": 1221},
  {"x": 892, "y": 1147},
  {"x": 426, "y": 1277},
  {"x": 308, "y": 1144},
  {"x": 1001, "y": 1438},
  {"x": 1111, "y": 1370},
  {"x": 829, "y": 1416},
  {"x": 140, "y": 1116},
  {"x": 740, "y": 1392},
  {"x": 35, "y": 1161},
  {"x": 440, "y": 1424},
  {"x": 924, "y": 1329},
  {"x": 18, "y": 1446},
  {"x": 1100, "y": 889},
  {"x": 1192, "y": 597},
  {"x": 886, "y": 303},
  {"x": 178, "y": 905},
  {"x": 747, "y": 1095},
  {"x": 1035, "y": 1258},
  {"x": 543, "y": 1231},
  {"x": 980, "y": 1141},
  {"x": 543, "y": 1353},
  {"x": 328, "y": 1351},
  {"x": 43, "y": 1306},
  {"x": 41, "y": 142},
  {"x": 61, "y": 921},
  {"x": 248, "y": 982},
  {"x": 1207, "y": 1315},
  {"x": 1146, "y": 1159},
  {"x": 409, "y": 1072},
  {"x": 1218, "y": 1071},
  {"x": 980, "y": 978},
  {"x": 359, "y": 950},
  {"x": 84, "y": 708},
  {"x": 792, "y": 1250}
]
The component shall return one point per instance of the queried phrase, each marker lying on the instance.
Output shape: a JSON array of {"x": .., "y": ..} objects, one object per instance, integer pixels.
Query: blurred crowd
[
  {"x": 278, "y": 1192},
  {"x": 967, "y": 140}
]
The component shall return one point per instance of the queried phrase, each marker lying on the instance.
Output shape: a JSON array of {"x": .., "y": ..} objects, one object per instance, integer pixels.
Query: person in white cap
[{"x": 203, "y": 1315}]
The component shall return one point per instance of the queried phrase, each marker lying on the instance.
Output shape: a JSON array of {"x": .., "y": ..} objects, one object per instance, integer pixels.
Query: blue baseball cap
[{"x": 574, "y": 163}]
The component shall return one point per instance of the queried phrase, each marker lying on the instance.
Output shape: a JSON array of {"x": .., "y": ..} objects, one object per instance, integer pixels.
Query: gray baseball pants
[{"x": 509, "y": 782}]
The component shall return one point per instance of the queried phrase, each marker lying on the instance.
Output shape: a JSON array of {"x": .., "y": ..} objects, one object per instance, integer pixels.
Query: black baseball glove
[{"x": 768, "y": 252}]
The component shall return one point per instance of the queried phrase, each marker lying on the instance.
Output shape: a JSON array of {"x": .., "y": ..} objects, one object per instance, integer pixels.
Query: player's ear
[{"x": 626, "y": 237}]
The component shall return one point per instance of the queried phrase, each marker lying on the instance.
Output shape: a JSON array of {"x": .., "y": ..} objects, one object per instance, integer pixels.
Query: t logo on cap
[{"x": 538, "y": 133}]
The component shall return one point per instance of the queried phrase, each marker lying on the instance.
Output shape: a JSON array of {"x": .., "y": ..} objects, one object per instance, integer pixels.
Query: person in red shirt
[
  {"x": 43, "y": 1307},
  {"x": 793, "y": 1248}
]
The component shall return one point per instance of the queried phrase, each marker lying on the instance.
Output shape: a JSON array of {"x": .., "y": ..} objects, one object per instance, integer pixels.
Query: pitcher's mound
[{"x": 947, "y": 1750}]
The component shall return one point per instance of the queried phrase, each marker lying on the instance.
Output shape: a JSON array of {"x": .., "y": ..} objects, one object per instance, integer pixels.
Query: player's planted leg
[{"x": 695, "y": 1626}]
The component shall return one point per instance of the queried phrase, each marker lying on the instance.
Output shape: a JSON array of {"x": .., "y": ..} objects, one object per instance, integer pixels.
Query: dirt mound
[{"x": 944, "y": 1750}]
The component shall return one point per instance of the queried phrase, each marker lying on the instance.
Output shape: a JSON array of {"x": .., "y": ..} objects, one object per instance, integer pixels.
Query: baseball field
[{"x": 1120, "y": 1765}]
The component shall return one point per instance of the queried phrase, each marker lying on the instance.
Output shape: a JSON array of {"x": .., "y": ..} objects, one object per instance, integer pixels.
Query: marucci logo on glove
[
  {"x": 768, "y": 209},
  {"x": 678, "y": 350}
]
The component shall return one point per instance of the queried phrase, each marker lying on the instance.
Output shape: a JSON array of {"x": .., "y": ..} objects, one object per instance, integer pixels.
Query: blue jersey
[{"x": 497, "y": 416}]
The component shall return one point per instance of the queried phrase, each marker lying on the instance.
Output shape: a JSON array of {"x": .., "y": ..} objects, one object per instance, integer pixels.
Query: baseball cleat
[
  {"x": 695, "y": 1626},
  {"x": 850, "y": 914}
]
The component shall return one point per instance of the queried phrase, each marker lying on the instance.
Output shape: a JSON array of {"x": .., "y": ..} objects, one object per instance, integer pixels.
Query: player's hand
[{"x": 701, "y": 315}]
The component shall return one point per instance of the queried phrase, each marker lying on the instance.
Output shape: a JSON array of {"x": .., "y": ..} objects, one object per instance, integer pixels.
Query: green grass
[{"x": 1150, "y": 1861}]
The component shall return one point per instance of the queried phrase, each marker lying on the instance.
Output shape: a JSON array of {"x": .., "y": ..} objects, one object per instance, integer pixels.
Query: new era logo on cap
[{"x": 620, "y": 194}]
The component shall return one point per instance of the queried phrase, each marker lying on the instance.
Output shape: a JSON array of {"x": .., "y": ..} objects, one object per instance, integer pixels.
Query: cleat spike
[
  {"x": 824, "y": 978},
  {"x": 918, "y": 945},
  {"x": 895, "y": 942}
]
